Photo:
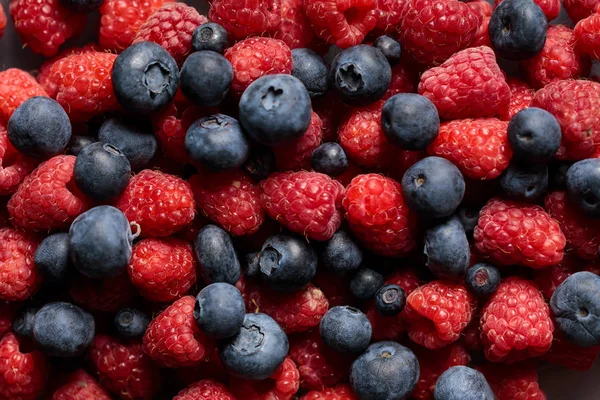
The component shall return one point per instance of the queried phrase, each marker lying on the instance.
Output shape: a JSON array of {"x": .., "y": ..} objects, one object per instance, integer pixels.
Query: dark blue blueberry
[
  {"x": 253, "y": 269},
  {"x": 410, "y": 121},
  {"x": 386, "y": 370},
  {"x": 361, "y": 75},
  {"x": 341, "y": 253},
  {"x": 329, "y": 159},
  {"x": 63, "y": 330},
  {"x": 534, "y": 135},
  {"x": 462, "y": 383},
  {"x": 101, "y": 171},
  {"x": 469, "y": 217},
  {"x": 78, "y": 142},
  {"x": 390, "y": 300},
  {"x": 287, "y": 262},
  {"x": 220, "y": 310},
  {"x": 52, "y": 259},
  {"x": 210, "y": 36},
  {"x": 216, "y": 256},
  {"x": 482, "y": 279},
  {"x": 518, "y": 29},
  {"x": 390, "y": 48},
  {"x": 447, "y": 251},
  {"x": 345, "y": 329},
  {"x": 433, "y": 187},
  {"x": 205, "y": 78},
  {"x": 257, "y": 350},
  {"x": 575, "y": 306},
  {"x": 524, "y": 182},
  {"x": 39, "y": 128},
  {"x": 131, "y": 323},
  {"x": 311, "y": 69},
  {"x": 23, "y": 323},
  {"x": 145, "y": 78},
  {"x": 261, "y": 163},
  {"x": 82, "y": 6},
  {"x": 583, "y": 186},
  {"x": 217, "y": 142},
  {"x": 275, "y": 109},
  {"x": 365, "y": 283},
  {"x": 133, "y": 138},
  {"x": 100, "y": 242}
]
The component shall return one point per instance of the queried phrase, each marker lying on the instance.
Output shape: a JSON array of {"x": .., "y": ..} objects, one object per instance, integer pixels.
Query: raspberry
[
  {"x": 559, "y": 59},
  {"x": 297, "y": 154},
  {"x": 549, "y": 278},
  {"x": 344, "y": 23},
  {"x": 438, "y": 312},
  {"x": 282, "y": 385},
  {"x": 327, "y": 108},
  {"x": 377, "y": 215},
  {"x": 162, "y": 269},
  {"x": 80, "y": 386},
  {"x": 351, "y": 172},
  {"x": 160, "y": 203},
  {"x": 295, "y": 29},
  {"x": 309, "y": 203},
  {"x": 44, "y": 25},
  {"x": 2, "y": 21},
  {"x": 521, "y": 95},
  {"x": 516, "y": 323},
  {"x": 123, "y": 368},
  {"x": 582, "y": 233},
  {"x": 483, "y": 36},
  {"x": 551, "y": 8},
  {"x": 242, "y": 18},
  {"x": 14, "y": 166},
  {"x": 229, "y": 199},
  {"x": 16, "y": 86},
  {"x": 256, "y": 57},
  {"x": 173, "y": 338},
  {"x": 433, "y": 30},
  {"x": 172, "y": 26},
  {"x": 205, "y": 390},
  {"x": 340, "y": 392},
  {"x": 23, "y": 374},
  {"x": 106, "y": 295},
  {"x": 390, "y": 15},
  {"x": 403, "y": 160},
  {"x": 478, "y": 147},
  {"x": 580, "y": 9},
  {"x": 518, "y": 381},
  {"x": 469, "y": 84},
  {"x": 483, "y": 7},
  {"x": 513, "y": 233},
  {"x": 404, "y": 80},
  {"x": 8, "y": 311},
  {"x": 19, "y": 278},
  {"x": 570, "y": 356},
  {"x": 587, "y": 35}
]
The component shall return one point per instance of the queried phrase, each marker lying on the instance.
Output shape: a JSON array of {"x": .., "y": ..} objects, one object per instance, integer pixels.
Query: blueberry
[
  {"x": 518, "y": 29},
  {"x": 145, "y": 78},
  {"x": 433, "y": 187},
  {"x": 131, "y": 323},
  {"x": 447, "y": 251},
  {"x": 534, "y": 135},
  {"x": 257, "y": 350},
  {"x": 410, "y": 121},
  {"x": 390, "y": 48},
  {"x": 52, "y": 259},
  {"x": 575, "y": 306},
  {"x": 469, "y": 217},
  {"x": 329, "y": 159},
  {"x": 558, "y": 175},
  {"x": 361, "y": 75},
  {"x": 462, "y": 383},
  {"x": 132, "y": 138},
  {"x": 261, "y": 163},
  {"x": 583, "y": 186},
  {"x": 345, "y": 329},
  {"x": 341, "y": 253},
  {"x": 390, "y": 300},
  {"x": 287, "y": 262},
  {"x": 252, "y": 266},
  {"x": 216, "y": 256},
  {"x": 63, "y": 330},
  {"x": 386, "y": 370},
  {"x": 312, "y": 71},
  {"x": 275, "y": 109},
  {"x": 217, "y": 142},
  {"x": 220, "y": 310},
  {"x": 81, "y": 6},
  {"x": 210, "y": 36},
  {"x": 365, "y": 283},
  {"x": 23, "y": 323},
  {"x": 77, "y": 143},
  {"x": 482, "y": 279},
  {"x": 39, "y": 127},
  {"x": 524, "y": 182},
  {"x": 206, "y": 77},
  {"x": 100, "y": 242}
]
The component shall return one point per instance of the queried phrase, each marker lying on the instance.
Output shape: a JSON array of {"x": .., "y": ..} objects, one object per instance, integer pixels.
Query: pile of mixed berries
[{"x": 299, "y": 199}]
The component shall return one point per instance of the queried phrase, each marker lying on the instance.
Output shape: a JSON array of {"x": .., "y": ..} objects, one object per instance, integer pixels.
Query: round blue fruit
[
  {"x": 78, "y": 142},
  {"x": 311, "y": 70},
  {"x": 132, "y": 138},
  {"x": 482, "y": 280},
  {"x": 131, "y": 323},
  {"x": 469, "y": 217},
  {"x": 53, "y": 260},
  {"x": 261, "y": 163},
  {"x": 220, "y": 310},
  {"x": 389, "y": 47},
  {"x": 534, "y": 135},
  {"x": 23, "y": 323},
  {"x": 447, "y": 251},
  {"x": 524, "y": 182},
  {"x": 583, "y": 186},
  {"x": 341, "y": 253},
  {"x": 210, "y": 36},
  {"x": 410, "y": 121},
  {"x": 365, "y": 283},
  {"x": 205, "y": 78},
  {"x": 329, "y": 159},
  {"x": 345, "y": 329},
  {"x": 462, "y": 383},
  {"x": 218, "y": 261},
  {"x": 390, "y": 300}
]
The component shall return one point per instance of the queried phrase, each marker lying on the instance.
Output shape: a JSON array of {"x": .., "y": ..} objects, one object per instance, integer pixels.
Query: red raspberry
[
  {"x": 328, "y": 109},
  {"x": 551, "y": 8},
  {"x": 44, "y": 25},
  {"x": 478, "y": 147},
  {"x": 19, "y": 278},
  {"x": 340, "y": 392},
  {"x": 587, "y": 35},
  {"x": 16, "y": 86},
  {"x": 521, "y": 95},
  {"x": 511, "y": 382},
  {"x": 80, "y": 386},
  {"x": 351, "y": 172},
  {"x": 23, "y": 374},
  {"x": 172, "y": 26},
  {"x": 484, "y": 8},
  {"x": 403, "y": 160},
  {"x": 173, "y": 338},
  {"x": 14, "y": 166},
  {"x": 229, "y": 199},
  {"x": 549, "y": 278},
  {"x": 580, "y": 9},
  {"x": 376, "y": 213},
  {"x": 282, "y": 385},
  {"x": 513, "y": 233},
  {"x": 106, "y": 295},
  {"x": 559, "y": 59},
  {"x": 162, "y": 269},
  {"x": 295, "y": 29},
  {"x": 570, "y": 356},
  {"x": 404, "y": 80},
  {"x": 582, "y": 233},
  {"x": 2, "y": 20},
  {"x": 296, "y": 155},
  {"x": 8, "y": 311},
  {"x": 469, "y": 84},
  {"x": 255, "y": 57},
  {"x": 390, "y": 15},
  {"x": 242, "y": 18},
  {"x": 433, "y": 30},
  {"x": 483, "y": 36},
  {"x": 438, "y": 312},
  {"x": 124, "y": 369},
  {"x": 205, "y": 390},
  {"x": 308, "y": 203}
]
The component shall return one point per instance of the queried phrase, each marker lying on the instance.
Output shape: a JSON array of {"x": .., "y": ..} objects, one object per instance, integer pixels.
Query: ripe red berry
[
  {"x": 2, "y": 20},
  {"x": 548, "y": 279},
  {"x": 517, "y": 381},
  {"x": 282, "y": 385},
  {"x": 106, "y": 295},
  {"x": 296, "y": 155},
  {"x": 587, "y": 35},
  {"x": 14, "y": 166},
  {"x": 205, "y": 390},
  {"x": 295, "y": 29},
  {"x": 23, "y": 374},
  {"x": 404, "y": 80},
  {"x": 564, "y": 353},
  {"x": 19, "y": 278},
  {"x": 551, "y": 8},
  {"x": 340, "y": 392},
  {"x": 521, "y": 95},
  {"x": 242, "y": 18},
  {"x": 580, "y": 9},
  {"x": 390, "y": 15},
  {"x": 80, "y": 386},
  {"x": 16, "y": 86}
]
